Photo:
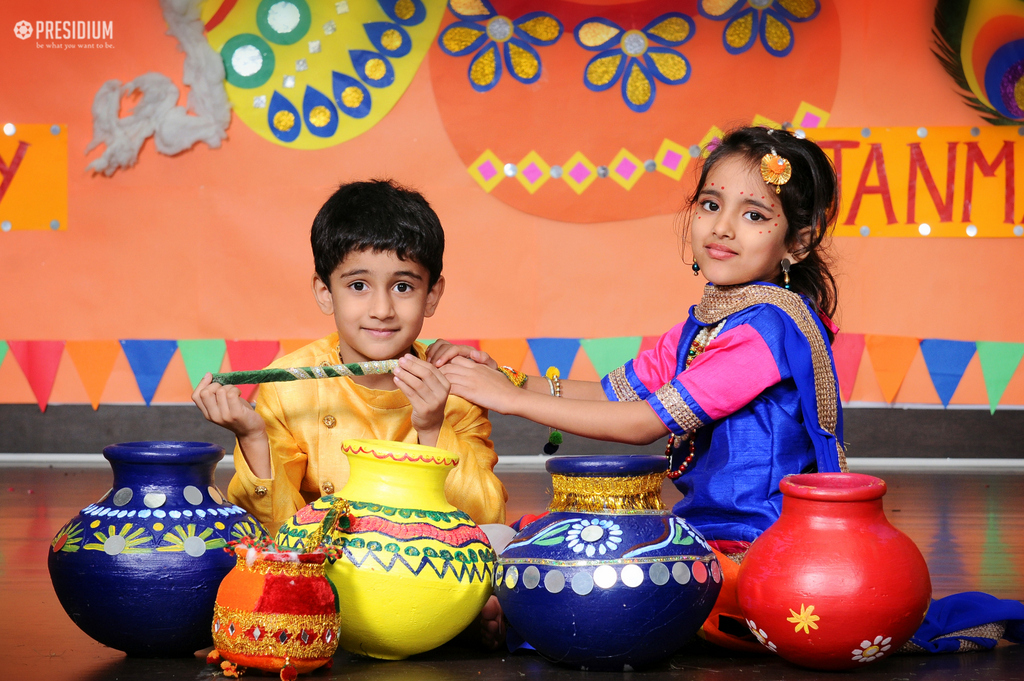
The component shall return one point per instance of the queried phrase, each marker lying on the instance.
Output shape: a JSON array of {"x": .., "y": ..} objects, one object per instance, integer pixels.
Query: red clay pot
[{"x": 833, "y": 585}]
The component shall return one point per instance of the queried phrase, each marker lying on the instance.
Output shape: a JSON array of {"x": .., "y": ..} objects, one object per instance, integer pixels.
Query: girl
[{"x": 746, "y": 386}]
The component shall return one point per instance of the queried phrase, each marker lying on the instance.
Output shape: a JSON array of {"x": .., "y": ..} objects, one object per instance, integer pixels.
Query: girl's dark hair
[
  {"x": 379, "y": 215},
  {"x": 810, "y": 202}
]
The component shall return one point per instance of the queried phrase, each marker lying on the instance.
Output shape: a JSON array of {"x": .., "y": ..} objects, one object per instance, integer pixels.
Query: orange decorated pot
[
  {"x": 832, "y": 584},
  {"x": 276, "y": 609}
]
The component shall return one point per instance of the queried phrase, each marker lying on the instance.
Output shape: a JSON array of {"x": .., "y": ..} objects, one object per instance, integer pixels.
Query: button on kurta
[
  {"x": 330, "y": 421},
  {"x": 260, "y": 491},
  {"x": 327, "y": 487}
]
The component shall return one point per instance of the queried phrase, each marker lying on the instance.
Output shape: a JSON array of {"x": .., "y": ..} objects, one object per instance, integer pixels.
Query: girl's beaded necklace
[{"x": 699, "y": 344}]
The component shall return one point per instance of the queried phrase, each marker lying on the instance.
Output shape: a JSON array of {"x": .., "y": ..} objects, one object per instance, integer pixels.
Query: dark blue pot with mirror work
[
  {"x": 609, "y": 578},
  {"x": 139, "y": 569}
]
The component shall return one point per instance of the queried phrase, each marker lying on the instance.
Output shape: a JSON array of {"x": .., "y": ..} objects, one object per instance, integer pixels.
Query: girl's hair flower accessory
[{"x": 775, "y": 170}]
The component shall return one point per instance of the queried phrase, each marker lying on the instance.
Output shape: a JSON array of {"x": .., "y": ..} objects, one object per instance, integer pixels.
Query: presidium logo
[{"x": 66, "y": 31}]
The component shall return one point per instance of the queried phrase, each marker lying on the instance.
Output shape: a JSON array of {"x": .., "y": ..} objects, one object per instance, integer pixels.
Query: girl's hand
[
  {"x": 442, "y": 352},
  {"x": 427, "y": 390},
  {"x": 480, "y": 384},
  {"x": 224, "y": 406}
]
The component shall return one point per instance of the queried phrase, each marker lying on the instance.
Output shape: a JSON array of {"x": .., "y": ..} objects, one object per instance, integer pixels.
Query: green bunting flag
[
  {"x": 202, "y": 356},
  {"x": 998, "y": 363},
  {"x": 3, "y": 351},
  {"x": 607, "y": 354}
]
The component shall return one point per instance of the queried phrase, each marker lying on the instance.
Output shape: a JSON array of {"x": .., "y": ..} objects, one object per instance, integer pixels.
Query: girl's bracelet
[
  {"x": 554, "y": 435},
  {"x": 517, "y": 378}
]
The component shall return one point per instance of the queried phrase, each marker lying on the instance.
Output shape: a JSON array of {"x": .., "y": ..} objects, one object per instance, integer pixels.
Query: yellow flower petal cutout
[
  {"x": 738, "y": 33},
  {"x": 483, "y": 70},
  {"x": 459, "y": 38},
  {"x": 311, "y": 60},
  {"x": 717, "y": 8},
  {"x": 638, "y": 87},
  {"x": 473, "y": 8},
  {"x": 671, "y": 65},
  {"x": 523, "y": 63},
  {"x": 594, "y": 33},
  {"x": 801, "y": 9},
  {"x": 541, "y": 28},
  {"x": 673, "y": 28},
  {"x": 601, "y": 71},
  {"x": 777, "y": 34}
]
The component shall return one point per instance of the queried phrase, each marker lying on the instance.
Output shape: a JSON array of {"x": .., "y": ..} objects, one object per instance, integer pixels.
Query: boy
[{"x": 377, "y": 251}]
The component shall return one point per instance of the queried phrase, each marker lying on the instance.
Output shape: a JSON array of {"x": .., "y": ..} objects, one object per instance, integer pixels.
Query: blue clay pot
[
  {"x": 609, "y": 578},
  {"x": 139, "y": 569}
]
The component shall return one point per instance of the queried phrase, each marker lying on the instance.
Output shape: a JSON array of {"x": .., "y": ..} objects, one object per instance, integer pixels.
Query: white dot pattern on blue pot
[
  {"x": 605, "y": 576},
  {"x": 582, "y": 583},
  {"x": 632, "y": 575},
  {"x": 681, "y": 573},
  {"x": 193, "y": 495},
  {"x": 531, "y": 577},
  {"x": 554, "y": 581},
  {"x": 511, "y": 577}
]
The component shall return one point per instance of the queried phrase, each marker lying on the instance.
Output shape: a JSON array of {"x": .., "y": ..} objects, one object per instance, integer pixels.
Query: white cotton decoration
[{"x": 174, "y": 128}]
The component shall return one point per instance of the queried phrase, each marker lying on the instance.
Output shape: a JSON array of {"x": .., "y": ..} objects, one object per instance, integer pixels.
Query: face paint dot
[
  {"x": 762, "y": 197},
  {"x": 775, "y": 225},
  {"x": 760, "y": 232}
]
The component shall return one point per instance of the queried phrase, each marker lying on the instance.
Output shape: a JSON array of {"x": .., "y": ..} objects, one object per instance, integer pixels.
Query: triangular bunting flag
[
  {"x": 250, "y": 355},
  {"x": 149, "y": 360},
  {"x": 39, "y": 361},
  {"x": 202, "y": 356},
  {"x": 3, "y": 351},
  {"x": 554, "y": 352},
  {"x": 848, "y": 349},
  {"x": 94, "y": 360},
  {"x": 290, "y": 345},
  {"x": 470, "y": 343},
  {"x": 507, "y": 352},
  {"x": 648, "y": 343},
  {"x": 999, "y": 361},
  {"x": 947, "y": 361},
  {"x": 610, "y": 353},
  {"x": 891, "y": 357}
]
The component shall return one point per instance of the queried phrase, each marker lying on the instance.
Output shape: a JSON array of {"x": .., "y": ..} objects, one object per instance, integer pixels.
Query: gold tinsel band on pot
[
  {"x": 595, "y": 494},
  {"x": 260, "y": 634}
]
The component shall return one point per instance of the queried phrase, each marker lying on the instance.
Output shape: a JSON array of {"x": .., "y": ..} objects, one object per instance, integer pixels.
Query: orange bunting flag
[
  {"x": 891, "y": 357},
  {"x": 510, "y": 352},
  {"x": 39, "y": 361},
  {"x": 94, "y": 360},
  {"x": 848, "y": 350},
  {"x": 290, "y": 345}
]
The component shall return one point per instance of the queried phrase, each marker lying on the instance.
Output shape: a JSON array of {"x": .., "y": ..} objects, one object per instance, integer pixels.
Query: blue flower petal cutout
[
  {"x": 368, "y": 64},
  {"x": 376, "y": 30},
  {"x": 419, "y": 12},
  {"x": 526, "y": 18},
  {"x": 481, "y": 85},
  {"x": 445, "y": 45},
  {"x": 738, "y": 49},
  {"x": 475, "y": 17},
  {"x": 667, "y": 65},
  {"x": 527, "y": 72},
  {"x": 670, "y": 17},
  {"x": 636, "y": 72},
  {"x": 284, "y": 128},
  {"x": 614, "y": 40},
  {"x": 352, "y": 102},
  {"x": 736, "y": 7},
  {"x": 314, "y": 105},
  {"x": 781, "y": 9},
  {"x": 775, "y": 51},
  {"x": 596, "y": 67}
]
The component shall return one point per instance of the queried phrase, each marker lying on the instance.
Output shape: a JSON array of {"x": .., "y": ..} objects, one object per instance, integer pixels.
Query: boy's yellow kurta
[{"x": 308, "y": 420}]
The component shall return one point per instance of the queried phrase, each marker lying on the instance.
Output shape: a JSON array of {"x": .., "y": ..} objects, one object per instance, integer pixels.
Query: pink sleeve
[
  {"x": 657, "y": 366},
  {"x": 734, "y": 369}
]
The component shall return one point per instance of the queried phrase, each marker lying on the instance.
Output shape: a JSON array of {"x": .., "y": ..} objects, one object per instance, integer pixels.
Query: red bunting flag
[
  {"x": 39, "y": 361},
  {"x": 250, "y": 355}
]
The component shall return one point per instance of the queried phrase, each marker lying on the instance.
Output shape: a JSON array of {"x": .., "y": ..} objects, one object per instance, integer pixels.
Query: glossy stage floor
[{"x": 968, "y": 525}]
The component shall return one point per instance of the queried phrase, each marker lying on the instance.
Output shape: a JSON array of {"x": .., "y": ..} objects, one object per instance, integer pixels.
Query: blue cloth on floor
[{"x": 964, "y": 611}]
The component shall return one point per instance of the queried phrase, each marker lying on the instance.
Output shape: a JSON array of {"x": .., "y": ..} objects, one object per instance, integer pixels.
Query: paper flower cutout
[
  {"x": 769, "y": 19},
  {"x": 491, "y": 36},
  {"x": 637, "y": 57}
]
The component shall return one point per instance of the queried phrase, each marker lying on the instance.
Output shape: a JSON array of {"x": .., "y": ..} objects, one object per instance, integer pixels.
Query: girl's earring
[
  {"x": 785, "y": 271},
  {"x": 695, "y": 268}
]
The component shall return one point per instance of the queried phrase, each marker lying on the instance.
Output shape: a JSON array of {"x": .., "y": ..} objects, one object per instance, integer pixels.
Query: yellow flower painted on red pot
[{"x": 805, "y": 620}]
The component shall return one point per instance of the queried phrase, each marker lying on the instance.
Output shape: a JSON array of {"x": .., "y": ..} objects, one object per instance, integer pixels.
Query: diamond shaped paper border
[
  {"x": 766, "y": 122},
  {"x": 810, "y": 116},
  {"x": 533, "y": 166},
  {"x": 711, "y": 140},
  {"x": 486, "y": 170},
  {"x": 625, "y": 169},
  {"x": 572, "y": 172},
  {"x": 672, "y": 159}
]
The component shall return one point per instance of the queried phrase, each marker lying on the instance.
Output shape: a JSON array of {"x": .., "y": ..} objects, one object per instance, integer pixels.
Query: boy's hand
[
  {"x": 441, "y": 352},
  {"x": 427, "y": 390},
  {"x": 223, "y": 405}
]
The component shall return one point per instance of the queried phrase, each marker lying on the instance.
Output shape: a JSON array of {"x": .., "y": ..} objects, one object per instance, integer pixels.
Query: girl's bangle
[
  {"x": 517, "y": 378},
  {"x": 554, "y": 436}
]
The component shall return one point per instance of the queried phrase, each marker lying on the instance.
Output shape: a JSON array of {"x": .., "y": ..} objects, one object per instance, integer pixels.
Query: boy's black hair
[
  {"x": 810, "y": 201},
  {"x": 379, "y": 215}
]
